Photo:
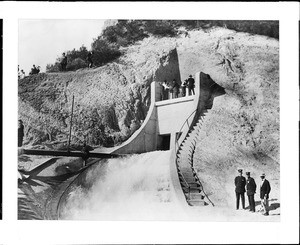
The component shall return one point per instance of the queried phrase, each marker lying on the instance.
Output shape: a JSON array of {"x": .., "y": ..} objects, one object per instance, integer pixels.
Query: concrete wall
[
  {"x": 145, "y": 138},
  {"x": 169, "y": 69},
  {"x": 164, "y": 117},
  {"x": 167, "y": 117},
  {"x": 171, "y": 114}
]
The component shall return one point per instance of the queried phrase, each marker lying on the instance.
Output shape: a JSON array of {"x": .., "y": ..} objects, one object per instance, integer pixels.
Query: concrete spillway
[{"x": 137, "y": 187}]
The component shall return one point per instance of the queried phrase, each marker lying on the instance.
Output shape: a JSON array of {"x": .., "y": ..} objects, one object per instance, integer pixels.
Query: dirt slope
[{"x": 111, "y": 101}]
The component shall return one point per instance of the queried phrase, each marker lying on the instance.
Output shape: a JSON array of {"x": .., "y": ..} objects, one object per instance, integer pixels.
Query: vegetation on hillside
[{"x": 107, "y": 46}]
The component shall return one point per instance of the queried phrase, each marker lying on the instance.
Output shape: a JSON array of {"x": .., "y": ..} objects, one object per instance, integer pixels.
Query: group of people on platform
[
  {"x": 175, "y": 89},
  {"x": 248, "y": 185}
]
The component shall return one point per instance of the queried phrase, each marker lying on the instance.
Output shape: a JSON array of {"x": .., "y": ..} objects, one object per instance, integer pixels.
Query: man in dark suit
[
  {"x": 240, "y": 183},
  {"x": 251, "y": 189},
  {"x": 64, "y": 62},
  {"x": 265, "y": 189},
  {"x": 191, "y": 85},
  {"x": 20, "y": 133}
]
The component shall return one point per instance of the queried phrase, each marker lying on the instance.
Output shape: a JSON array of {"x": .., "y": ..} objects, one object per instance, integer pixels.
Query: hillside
[{"x": 110, "y": 101}]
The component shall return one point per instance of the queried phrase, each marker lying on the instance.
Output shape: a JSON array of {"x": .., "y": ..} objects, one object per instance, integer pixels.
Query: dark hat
[
  {"x": 240, "y": 170},
  {"x": 247, "y": 173},
  {"x": 262, "y": 175}
]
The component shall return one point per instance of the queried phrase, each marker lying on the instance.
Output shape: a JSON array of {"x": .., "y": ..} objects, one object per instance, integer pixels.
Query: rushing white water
[{"x": 137, "y": 187}]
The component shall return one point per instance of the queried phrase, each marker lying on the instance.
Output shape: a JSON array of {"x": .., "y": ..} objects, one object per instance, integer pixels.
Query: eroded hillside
[{"x": 111, "y": 101}]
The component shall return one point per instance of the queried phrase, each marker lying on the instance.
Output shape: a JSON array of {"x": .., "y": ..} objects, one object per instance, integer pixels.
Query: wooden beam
[{"x": 69, "y": 154}]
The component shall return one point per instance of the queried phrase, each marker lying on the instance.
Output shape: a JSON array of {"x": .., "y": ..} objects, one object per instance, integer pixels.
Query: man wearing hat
[
  {"x": 240, "y": 183},
  {"x": 64, "y": 62},
  {"x": 191, "y": 85},
  {"x": 265, "y": 189},
  {"x": 251, "y": 189}
]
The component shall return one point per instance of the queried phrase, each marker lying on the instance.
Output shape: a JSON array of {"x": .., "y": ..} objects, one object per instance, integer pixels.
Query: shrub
[
  {"x": 76, "y": 64},
  {"x": 53, "y": 67},
  {"x": 76, "y": 60},
  {"x": 103, "y": 51},
  {"x": 161, "y": 27},
  {"x": 106, "y": 47},
  {"x": 124, "y": 33}
]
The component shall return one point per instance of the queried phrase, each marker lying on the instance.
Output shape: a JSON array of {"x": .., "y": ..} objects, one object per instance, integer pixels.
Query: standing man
[
  {"x": 64, "y": 62},
  {"x": 191, "y": 85},
  {"x": 19, "y": 74},
  {"x": 175, "y": 88},
  {"x": 20, "y": 133},
  {"x": 33, "y": 70},
  {"x": 251, "y": 189},
  {"x": 183, "y": 88},
  {"x": 161, "y": 91},
  {"x": 265, "y": 189},
  {"x": 240, "y": 183},
  {"x": 22, "y": 74},
  {"x": 90, "y": 59}
]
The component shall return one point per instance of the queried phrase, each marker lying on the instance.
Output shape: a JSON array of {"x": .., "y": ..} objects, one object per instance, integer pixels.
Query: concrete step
[
  {"x": 193, "y": 184},
  {"x": 185, "y": 169},
  {"x": 190, "y": 179},
  {"x": 192, "y": 190},
  {"x": 197, "y": 196},
  {"x": 186, "y": 153},
  {"x": 187, "y": 175},
  {"x": 195, "y": 188},
  {"x": 184, "y": 160},
  {"x": 184, "y": 163},
  {"x": 185, "y": 172},
  {"x": 197, "y": 203}
]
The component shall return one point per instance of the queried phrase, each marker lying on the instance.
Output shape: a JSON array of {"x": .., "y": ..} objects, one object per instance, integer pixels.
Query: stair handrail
[
  {"x": 193, "y": 169},
  {"x": 176, "y": 143},
  {"x": 189, "y": 126},
  {"x": 192, "y": 162}
]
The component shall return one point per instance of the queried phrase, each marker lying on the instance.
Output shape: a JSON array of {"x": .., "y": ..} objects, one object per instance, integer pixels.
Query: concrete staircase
[{"x": 190, "y": 182}]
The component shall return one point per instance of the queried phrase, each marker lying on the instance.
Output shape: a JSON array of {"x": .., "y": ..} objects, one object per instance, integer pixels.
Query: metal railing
[
  {"x": 186, "y": 122},
  {"x": 191, "y": 155}
]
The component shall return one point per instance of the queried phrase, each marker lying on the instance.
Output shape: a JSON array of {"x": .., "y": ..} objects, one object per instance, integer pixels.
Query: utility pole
[{"x": 69, "y": 141}]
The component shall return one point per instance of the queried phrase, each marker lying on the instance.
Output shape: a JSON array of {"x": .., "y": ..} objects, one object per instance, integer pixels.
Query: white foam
[{"x": 133, "y": 188}]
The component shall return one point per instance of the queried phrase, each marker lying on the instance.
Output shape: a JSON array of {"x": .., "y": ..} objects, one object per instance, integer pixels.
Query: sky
[{"x": 42, "y": 41}]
